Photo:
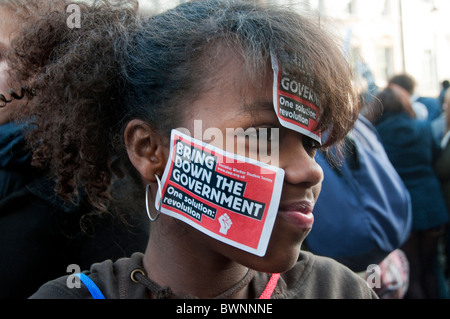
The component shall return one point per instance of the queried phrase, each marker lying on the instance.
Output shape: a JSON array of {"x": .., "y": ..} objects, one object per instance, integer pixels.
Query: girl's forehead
[{"x": 230, "y": 73}]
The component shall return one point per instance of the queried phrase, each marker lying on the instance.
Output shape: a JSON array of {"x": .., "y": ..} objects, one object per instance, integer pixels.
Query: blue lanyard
[
  {"x": 91, "y": 286},
  {"x": 97, "y": 294}
]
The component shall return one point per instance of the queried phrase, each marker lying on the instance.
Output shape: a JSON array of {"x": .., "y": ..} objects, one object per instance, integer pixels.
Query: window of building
[{"x": 385, "y": 63}]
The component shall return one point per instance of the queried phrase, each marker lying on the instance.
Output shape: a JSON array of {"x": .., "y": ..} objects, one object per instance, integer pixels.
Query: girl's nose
[{"x": 297, "y": 159}]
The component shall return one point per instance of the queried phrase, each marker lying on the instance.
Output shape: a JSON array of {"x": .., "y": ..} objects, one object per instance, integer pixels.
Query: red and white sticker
[
  {"x": 296, "y": 104},
  {"x": 226, "y": 196}
]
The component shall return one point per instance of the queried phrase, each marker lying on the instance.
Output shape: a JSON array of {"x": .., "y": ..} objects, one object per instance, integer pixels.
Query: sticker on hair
[
  {"x": 296, "y": 103},
  {"x": 228, "y": 197}
]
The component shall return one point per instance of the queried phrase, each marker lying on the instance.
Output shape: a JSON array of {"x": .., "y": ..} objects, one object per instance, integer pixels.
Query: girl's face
[
  {"x": 7, "y": 27},
  {"x": 234, "y": 104}
]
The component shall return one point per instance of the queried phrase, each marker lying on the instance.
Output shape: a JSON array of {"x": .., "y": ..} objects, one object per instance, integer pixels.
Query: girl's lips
[{"x": 299, "y": 214}]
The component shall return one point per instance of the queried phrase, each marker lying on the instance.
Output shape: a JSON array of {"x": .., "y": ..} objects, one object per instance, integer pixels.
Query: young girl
[{"x": 117, "y": 98}]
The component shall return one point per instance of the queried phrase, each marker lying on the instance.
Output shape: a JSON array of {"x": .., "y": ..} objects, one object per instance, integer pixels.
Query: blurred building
[
  {"x": 390, "y": 36},
  {"x": 393, "y": 36}
]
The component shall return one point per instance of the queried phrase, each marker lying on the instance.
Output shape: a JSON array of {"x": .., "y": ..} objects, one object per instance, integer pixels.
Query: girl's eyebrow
[{"x": 258, "y": 106}]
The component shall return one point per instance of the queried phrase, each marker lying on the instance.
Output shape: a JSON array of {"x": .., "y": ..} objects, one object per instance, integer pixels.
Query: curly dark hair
[
  {"x": 90, "y": 82},
  {"x": 75, "y": 75}
]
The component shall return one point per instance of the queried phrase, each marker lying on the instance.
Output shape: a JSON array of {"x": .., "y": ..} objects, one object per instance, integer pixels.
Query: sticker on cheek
[
  {"x": 228, "y": 197},
  {"x": 296, "y": 104}
]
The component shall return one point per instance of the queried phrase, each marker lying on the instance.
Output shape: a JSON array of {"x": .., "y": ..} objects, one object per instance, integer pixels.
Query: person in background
[
  {"x": 373, "y": 220},
  {"x": 445, "y": 85},
  {"x": 439, "y": 124},
  {"x": 203, "y": 60},
  {"x": 41, "y": 234},
  {"x": 412, "y": 150},
  {"x": 426, "y": 108}
]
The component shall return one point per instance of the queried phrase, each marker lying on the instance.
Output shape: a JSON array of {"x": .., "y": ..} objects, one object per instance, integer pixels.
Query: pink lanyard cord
[{"x": 268, "y": 291}]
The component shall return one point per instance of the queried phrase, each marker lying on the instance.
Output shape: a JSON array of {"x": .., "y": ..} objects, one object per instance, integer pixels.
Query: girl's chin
[
  {"x": 278, "y": 258},
  {"x": 283, "y": 251}
]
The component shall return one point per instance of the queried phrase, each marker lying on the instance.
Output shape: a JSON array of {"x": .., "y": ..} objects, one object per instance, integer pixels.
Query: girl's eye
[
  {"x": 265, "y": 134},
  {"x": 310, "y": 145},
  {"x": 262, "y": 140}
]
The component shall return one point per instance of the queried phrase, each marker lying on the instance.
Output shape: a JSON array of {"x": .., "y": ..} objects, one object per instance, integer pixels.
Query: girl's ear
[{"x": 145, "y": 150}]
